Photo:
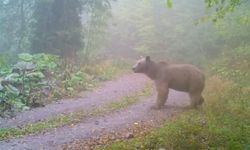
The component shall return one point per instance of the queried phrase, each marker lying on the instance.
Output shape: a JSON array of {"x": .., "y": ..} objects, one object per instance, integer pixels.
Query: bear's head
[{"x": 142, "y": 65}]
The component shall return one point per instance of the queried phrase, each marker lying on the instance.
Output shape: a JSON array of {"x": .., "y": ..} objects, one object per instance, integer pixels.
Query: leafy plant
[
  {"x": 36, "y": 80},
  {"x": 78, "y": 81},
  {"x": 25, "y": 85}
]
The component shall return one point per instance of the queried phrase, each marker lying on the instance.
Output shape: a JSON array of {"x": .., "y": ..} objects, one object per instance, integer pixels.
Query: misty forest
[{"x": 75, "y": 74}]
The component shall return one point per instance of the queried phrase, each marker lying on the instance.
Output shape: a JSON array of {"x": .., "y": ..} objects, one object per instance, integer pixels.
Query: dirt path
[
  {"x": 96, "y": 126},
  {"x": 108, "y": 92}
]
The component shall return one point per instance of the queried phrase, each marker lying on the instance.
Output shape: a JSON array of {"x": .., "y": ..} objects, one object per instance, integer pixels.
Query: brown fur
[{"x": 180, "y": 77}]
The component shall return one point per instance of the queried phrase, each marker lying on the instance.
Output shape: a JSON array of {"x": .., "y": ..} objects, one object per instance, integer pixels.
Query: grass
[
  {"x": 223, "y": 123},
  {"x": 88, "y": 77},
  {"x": 131, "y": 99},
  {"x": 107, "y": 70},
  {"x": 73, "y": 118}
]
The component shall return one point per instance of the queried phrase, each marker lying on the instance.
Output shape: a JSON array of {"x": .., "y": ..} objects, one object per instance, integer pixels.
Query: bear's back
[{"x": 182, "y": 76}]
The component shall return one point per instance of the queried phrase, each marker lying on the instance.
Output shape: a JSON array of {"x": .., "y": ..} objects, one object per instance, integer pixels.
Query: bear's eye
[{"x": 139, "y": 63}]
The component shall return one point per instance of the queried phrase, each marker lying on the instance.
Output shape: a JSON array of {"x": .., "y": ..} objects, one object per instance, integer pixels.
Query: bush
[
  {"x": 234, "y": 65},
  {"x": 36, "y": 80},
  {"x": 25, "y": 84},
  {"x": 106, "y": 69}
]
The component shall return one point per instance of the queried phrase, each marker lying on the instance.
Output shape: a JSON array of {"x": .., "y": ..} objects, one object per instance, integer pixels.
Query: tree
[
  {"x": 235, "y": 28},
  {"x": 222, "y": 7},
  {"x": 58, "y": 27},
  {"x": 96, "y": 15},
  {"x": 15, "y": 18},
  {"x": 41, "y": 41}
]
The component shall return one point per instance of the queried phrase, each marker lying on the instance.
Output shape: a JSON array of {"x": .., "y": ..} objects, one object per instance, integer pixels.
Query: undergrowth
[{"x": 36, "y": 80}]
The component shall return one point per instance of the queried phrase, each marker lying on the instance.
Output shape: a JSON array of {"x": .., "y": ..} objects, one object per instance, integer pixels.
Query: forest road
[{"x": 90, "y": 132}]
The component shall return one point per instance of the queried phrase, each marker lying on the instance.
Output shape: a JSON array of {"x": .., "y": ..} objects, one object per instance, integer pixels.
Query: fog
[
  {"x": 77, "y": 61},
  {"x": 82, "y": 30},
  {"x": 151, "y": 28}
]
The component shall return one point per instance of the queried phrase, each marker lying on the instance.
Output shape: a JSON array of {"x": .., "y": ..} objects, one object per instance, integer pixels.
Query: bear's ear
[{"x": 148, "y": 58}]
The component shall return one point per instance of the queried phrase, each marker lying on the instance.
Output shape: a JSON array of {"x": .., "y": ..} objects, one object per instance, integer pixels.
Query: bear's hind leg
[
  {"x": 201, "y": 101},
  {"x": 196, "y": 99}
]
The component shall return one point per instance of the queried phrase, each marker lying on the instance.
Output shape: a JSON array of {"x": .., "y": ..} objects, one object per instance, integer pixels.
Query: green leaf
[
  {"x": 14, "y": 77},
  {"x": 2, "y": 100},
  {"x": 25, "y": 65},
  {"x": 25, "y": 57},
  {"x": 1, "y": 87},
  {"x": 19, "y": 105},
  {"x": 25, "y": 108},
  {"x": 12, "y": 90},
  {"x": 76, "y": 79},
  {"x": 39, "y": 75},
  {"x": 169, "y": 3},
  {"x": 70, "y": 89}
]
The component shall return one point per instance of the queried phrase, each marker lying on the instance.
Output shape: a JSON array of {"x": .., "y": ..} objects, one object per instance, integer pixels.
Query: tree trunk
[{"x": 22, "y": 25}]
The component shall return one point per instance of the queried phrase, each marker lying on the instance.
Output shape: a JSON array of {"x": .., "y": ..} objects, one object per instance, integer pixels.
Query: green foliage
[
  {"x": 107, "y": 69},
  {"x": 234, "y": 65},
  {"x": 46, "y": 62},
  {"x": 26, "y": 84},
  {"x": 78, "y": 81},
  {"x": 169, "y": 3},
  {"x": 36, "y": 80},
  {"x": 25, "y": 57},
  {"x": 4, "y": 65},
  {"x": 222, "y": 7},
  {"x": 234, "y": 29}
]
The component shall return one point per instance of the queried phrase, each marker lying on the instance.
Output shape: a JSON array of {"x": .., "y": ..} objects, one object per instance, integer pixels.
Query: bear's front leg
[{"x": 162, "y": 94}]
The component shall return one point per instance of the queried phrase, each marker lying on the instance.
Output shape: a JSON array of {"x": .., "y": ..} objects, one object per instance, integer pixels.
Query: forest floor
[{"x": 96, "y": 128}]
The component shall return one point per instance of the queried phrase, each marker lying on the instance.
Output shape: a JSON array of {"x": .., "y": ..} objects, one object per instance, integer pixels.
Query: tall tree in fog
[
  {"x": 41, "y": 41},
  {"x": 95, "y": 18},
  {"x": 58, "y": 27},
  {"x": 15, "y": 18}
]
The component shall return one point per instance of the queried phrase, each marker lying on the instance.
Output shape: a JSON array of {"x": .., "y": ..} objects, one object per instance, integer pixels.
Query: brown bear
[{"x": 180, "y": 77}]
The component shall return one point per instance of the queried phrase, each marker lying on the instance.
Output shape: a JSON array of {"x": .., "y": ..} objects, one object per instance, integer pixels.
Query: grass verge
[
  {"x": 73, "y": 118},
  {"x": 223, "y": 123}
]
